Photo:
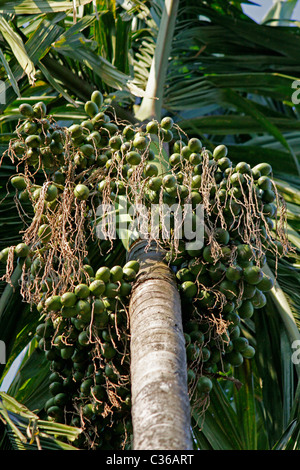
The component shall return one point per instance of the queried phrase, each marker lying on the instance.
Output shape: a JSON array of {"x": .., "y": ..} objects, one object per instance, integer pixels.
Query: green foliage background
[{"x": 229, "y": 80}]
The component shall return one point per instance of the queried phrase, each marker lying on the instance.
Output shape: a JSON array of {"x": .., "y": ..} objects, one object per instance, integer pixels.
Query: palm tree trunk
[{"x": 160, "y": 403}]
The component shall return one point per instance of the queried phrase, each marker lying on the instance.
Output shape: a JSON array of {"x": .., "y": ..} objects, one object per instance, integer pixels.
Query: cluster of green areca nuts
[
  {"x": 84, "y": 335},
  {"x": 64, "y": 173},
  {"x": 223, "y": 283},
  {"x": 219, "y": 297}
]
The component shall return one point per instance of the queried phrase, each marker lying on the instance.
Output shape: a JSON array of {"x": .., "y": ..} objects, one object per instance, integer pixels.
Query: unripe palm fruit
[{"x": 220, "y": 151}]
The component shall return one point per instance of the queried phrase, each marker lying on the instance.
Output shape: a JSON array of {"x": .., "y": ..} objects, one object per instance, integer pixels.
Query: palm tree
[{"x": 228, "y": 81}]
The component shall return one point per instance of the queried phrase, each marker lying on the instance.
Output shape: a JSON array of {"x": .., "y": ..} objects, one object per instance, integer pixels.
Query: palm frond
[{"x": 25, "y": 431}]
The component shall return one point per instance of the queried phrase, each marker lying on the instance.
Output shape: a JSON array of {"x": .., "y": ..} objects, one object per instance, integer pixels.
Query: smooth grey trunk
[{"x": 160, "y": 402}]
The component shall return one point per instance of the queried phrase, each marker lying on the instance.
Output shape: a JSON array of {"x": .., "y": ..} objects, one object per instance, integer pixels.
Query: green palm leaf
[
  {"x": 25, "y": 431},
  {"x": 25, "y": 7}
]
